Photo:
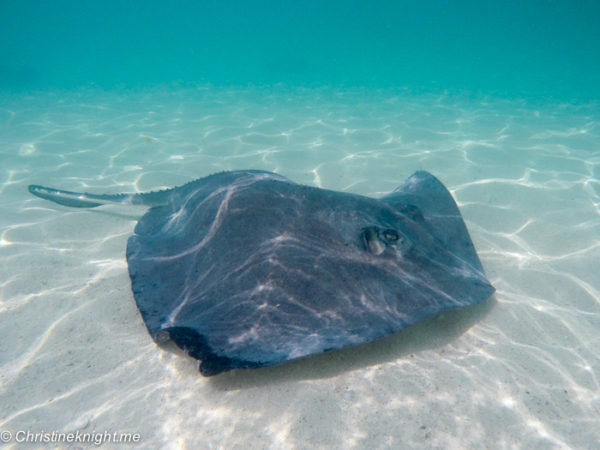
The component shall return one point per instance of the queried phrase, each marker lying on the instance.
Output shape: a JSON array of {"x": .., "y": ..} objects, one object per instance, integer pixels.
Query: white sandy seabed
[{"x": 519, "y": 371}]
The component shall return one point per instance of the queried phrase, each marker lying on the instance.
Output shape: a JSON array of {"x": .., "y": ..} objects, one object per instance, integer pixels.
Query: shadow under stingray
[{"x": 430, "y": 334}]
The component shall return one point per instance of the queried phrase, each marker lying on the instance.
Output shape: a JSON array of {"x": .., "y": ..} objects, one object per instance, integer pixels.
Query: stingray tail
[{"x": 83, "y": 199}]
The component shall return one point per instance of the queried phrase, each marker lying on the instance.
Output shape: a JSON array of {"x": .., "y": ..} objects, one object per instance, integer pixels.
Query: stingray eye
[
  {"x": 377, "y": 240},
  {"x": 390, "y": 235},
  {"x": 395, "y": 240}
]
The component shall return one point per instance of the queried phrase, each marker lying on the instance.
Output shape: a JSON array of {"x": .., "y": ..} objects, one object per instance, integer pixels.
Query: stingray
[{"x": 248, "y": 269}]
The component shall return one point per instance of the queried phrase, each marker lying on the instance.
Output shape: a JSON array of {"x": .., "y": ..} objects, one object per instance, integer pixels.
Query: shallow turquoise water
[
  {"x": 511, "y": 48},
  {"x": 500, "y": 103}
]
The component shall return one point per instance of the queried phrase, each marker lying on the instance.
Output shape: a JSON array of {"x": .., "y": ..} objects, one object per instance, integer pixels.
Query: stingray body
[{"x": 248, "y": 269}]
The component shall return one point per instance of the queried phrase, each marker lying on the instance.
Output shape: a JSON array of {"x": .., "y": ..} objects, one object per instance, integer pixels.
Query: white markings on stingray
[
  {"x": 280, "y": 240},
  {"x": 250, "y": 334},
  {"x": 180, "y": 215},
  {"x": 223, "y": 207},
  {"x": 173, "y": 316}
]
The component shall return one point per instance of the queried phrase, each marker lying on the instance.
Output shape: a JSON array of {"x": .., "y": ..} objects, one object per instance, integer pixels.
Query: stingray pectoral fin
[{"x": 77, "y": 199}]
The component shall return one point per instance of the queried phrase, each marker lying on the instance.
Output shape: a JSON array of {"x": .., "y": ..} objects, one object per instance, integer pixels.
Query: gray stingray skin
[{"x": 247, "y": 269}]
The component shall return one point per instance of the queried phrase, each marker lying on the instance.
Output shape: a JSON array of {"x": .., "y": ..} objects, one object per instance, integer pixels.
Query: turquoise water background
[
  {"x": 499, "y": 100},
  {"x": 512, "y": 48}
]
